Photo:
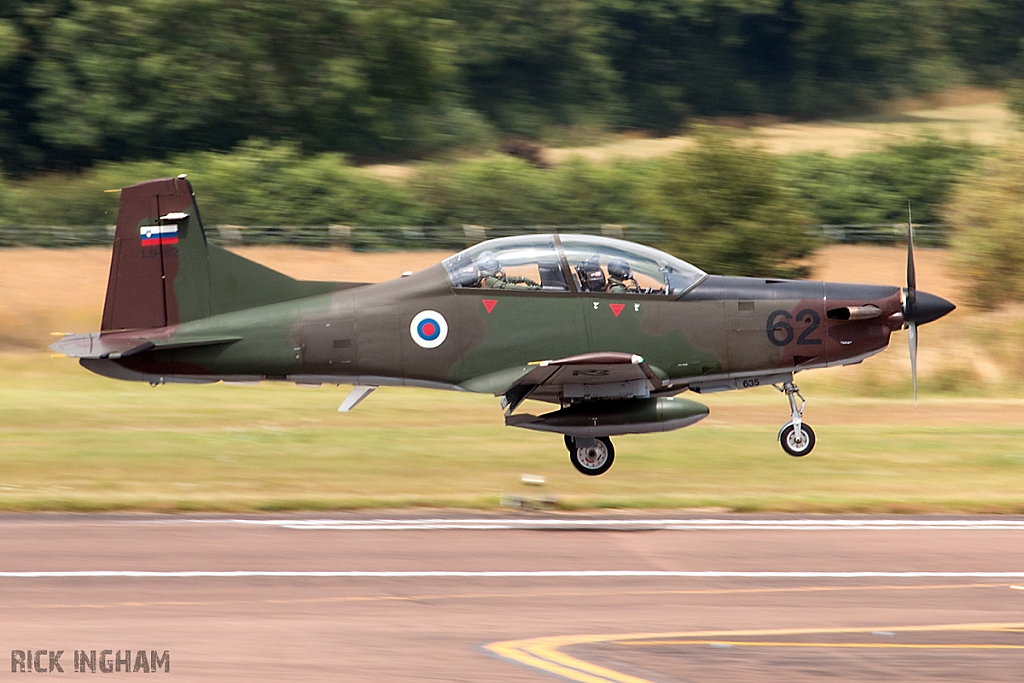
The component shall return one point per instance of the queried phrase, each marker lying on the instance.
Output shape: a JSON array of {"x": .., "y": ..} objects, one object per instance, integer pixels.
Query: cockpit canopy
[{"x": 582, "y": 263}]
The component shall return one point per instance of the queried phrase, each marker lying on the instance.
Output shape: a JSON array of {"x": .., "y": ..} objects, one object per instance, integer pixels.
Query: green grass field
[{"x": 73, "y": 441}]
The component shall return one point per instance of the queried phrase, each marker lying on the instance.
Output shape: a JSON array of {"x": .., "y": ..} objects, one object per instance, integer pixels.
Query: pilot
[
  {"x": 620, "y": 278},
  {"x": 493, "y": 277}
]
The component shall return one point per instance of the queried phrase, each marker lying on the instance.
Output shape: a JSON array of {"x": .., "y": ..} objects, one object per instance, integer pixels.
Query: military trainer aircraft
[{"x": 607, "y": 330}]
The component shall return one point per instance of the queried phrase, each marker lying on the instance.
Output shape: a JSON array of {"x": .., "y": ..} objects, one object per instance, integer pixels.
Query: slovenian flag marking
[{"x": 156, "y": 235}]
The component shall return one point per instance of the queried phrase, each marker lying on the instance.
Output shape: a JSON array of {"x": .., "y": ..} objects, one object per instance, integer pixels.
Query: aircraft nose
[{"x": 927, "y": 308}]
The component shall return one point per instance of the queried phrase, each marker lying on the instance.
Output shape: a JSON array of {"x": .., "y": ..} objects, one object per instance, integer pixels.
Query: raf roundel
[{"x": 429, "y": 329}]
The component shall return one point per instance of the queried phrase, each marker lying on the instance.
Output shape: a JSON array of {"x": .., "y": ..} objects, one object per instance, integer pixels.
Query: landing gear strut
[
  {"x": 796, "y": 438},
  {"x": 591, "y": 456}
]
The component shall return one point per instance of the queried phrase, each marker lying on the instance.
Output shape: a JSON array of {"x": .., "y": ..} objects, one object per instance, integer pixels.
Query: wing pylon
[{"x": 602, "y": 375}]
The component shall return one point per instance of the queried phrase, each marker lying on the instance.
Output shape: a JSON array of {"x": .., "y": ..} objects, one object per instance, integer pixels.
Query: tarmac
[{"x": 446, "y": 596}]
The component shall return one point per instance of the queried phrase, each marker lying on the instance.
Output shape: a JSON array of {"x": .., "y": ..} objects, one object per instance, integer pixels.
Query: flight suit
[
  {"x": 617, "y": 286},
  {"x": 501, "y": 281}
]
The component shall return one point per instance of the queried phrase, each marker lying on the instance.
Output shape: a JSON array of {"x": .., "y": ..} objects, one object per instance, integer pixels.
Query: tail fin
[{"x": 165, "y": 272}]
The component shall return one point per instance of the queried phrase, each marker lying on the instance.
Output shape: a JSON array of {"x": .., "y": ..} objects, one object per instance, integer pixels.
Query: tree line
[{"x": 83, "y": 81}]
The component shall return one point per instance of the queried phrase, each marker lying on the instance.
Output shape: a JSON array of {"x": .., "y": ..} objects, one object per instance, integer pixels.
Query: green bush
[
  {"x": 75, "y": 199},
  {"x": 730, "y": 208},
  {"x": 874, "y": 187},
  {"x": 257, "y": 184},
  {"x": 1015, "y": 99},
  {"x": 587, "y": 193},
  {"x": 264, "y": 184},
  {"x": 988, "y": 215},
  {"x": 505, "y": 191},
  {"x": 492, "y": 190}
]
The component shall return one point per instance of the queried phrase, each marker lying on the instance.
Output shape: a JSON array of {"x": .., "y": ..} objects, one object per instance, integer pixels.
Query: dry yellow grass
[
  {"x": 979, "y": 116},
  {"x": 883, "y": 265},
  {"x": 49, "y": 290}
]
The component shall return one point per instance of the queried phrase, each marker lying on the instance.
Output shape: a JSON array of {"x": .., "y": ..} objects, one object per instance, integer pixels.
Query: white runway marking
[
  {"x": 622, "y": 524},
  {"x": 504, "y": 574}
]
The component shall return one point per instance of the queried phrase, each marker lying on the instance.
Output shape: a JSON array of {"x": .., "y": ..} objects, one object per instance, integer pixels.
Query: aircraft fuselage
[{"x": 726, "y": 328}]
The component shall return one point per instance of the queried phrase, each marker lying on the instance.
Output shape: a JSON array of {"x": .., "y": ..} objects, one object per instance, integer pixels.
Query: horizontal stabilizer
[{"x": 99, "y": 345}]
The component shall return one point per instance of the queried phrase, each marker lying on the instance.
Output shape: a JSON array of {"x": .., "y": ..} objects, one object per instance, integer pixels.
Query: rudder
[{"x": 148, "y": 241}]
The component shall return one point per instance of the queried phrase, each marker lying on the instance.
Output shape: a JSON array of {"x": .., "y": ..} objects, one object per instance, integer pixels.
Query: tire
[
  {"x": 790, "y": 444},
  {"x": 595, "y": 460}
]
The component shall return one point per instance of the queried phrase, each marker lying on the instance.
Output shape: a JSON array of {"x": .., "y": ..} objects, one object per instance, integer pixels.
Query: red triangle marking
[
  {"x": 616, "y": 308},
  {"x": 489, "y": 304}
]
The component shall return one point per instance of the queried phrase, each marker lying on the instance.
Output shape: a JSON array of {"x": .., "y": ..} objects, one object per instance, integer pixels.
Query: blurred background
[{"x": 354, "y": 140}]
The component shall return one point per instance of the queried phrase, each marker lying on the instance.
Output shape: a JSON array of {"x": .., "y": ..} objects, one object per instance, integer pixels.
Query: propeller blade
[
  {"x": 910, "y": 304},
  {"x": 918, "y": 309},
  {"x": 911, "y": 271},
  {"x": 913, "y": 358}
]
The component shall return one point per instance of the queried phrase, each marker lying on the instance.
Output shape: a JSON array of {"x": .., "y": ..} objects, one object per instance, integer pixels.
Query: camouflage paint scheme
[{"x": 188, "y": 311}]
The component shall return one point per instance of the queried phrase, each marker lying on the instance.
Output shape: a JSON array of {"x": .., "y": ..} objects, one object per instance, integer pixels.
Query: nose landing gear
[
  {"x": 796, "y": 438},
  {"x": 590, "y": 456}
]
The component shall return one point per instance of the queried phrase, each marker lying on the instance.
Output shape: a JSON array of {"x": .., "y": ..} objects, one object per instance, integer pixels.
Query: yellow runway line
[
  {"x": 545, "y": 653},
  {"x": 770, "y": 643}
]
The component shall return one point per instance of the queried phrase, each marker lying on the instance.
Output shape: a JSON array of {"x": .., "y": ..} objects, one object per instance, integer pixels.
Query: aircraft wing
[{"x": 586, "y": 376}]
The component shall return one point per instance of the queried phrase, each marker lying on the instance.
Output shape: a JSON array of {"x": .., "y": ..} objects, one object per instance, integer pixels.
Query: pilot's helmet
[
  {"x": 619, "y": 269},
  {"x": 465, "y": 276},
  {"x": 487, "y": 263}
]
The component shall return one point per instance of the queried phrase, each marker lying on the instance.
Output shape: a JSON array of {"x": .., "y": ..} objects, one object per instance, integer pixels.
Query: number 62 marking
[{"x": 780, "y": 331}]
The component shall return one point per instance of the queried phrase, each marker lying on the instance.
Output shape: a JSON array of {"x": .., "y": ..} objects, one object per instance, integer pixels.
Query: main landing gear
[
  {"x": 796, "y": 438},
  {"x": 591, "y": 456}
]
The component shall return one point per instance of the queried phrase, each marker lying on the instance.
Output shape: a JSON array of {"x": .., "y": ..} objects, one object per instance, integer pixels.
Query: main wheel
[
  {"x": 591, "y": 460},
  {"x": 793, "y": 444}
]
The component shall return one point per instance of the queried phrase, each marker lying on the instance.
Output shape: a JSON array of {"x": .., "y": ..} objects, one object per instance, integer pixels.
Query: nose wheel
[
  {"x": 796, "y": 438},
  {"x": 590, "y": 456}
]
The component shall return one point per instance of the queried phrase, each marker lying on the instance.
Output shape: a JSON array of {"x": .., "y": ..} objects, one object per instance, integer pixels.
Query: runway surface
[{"x": 526, "y": 597}]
